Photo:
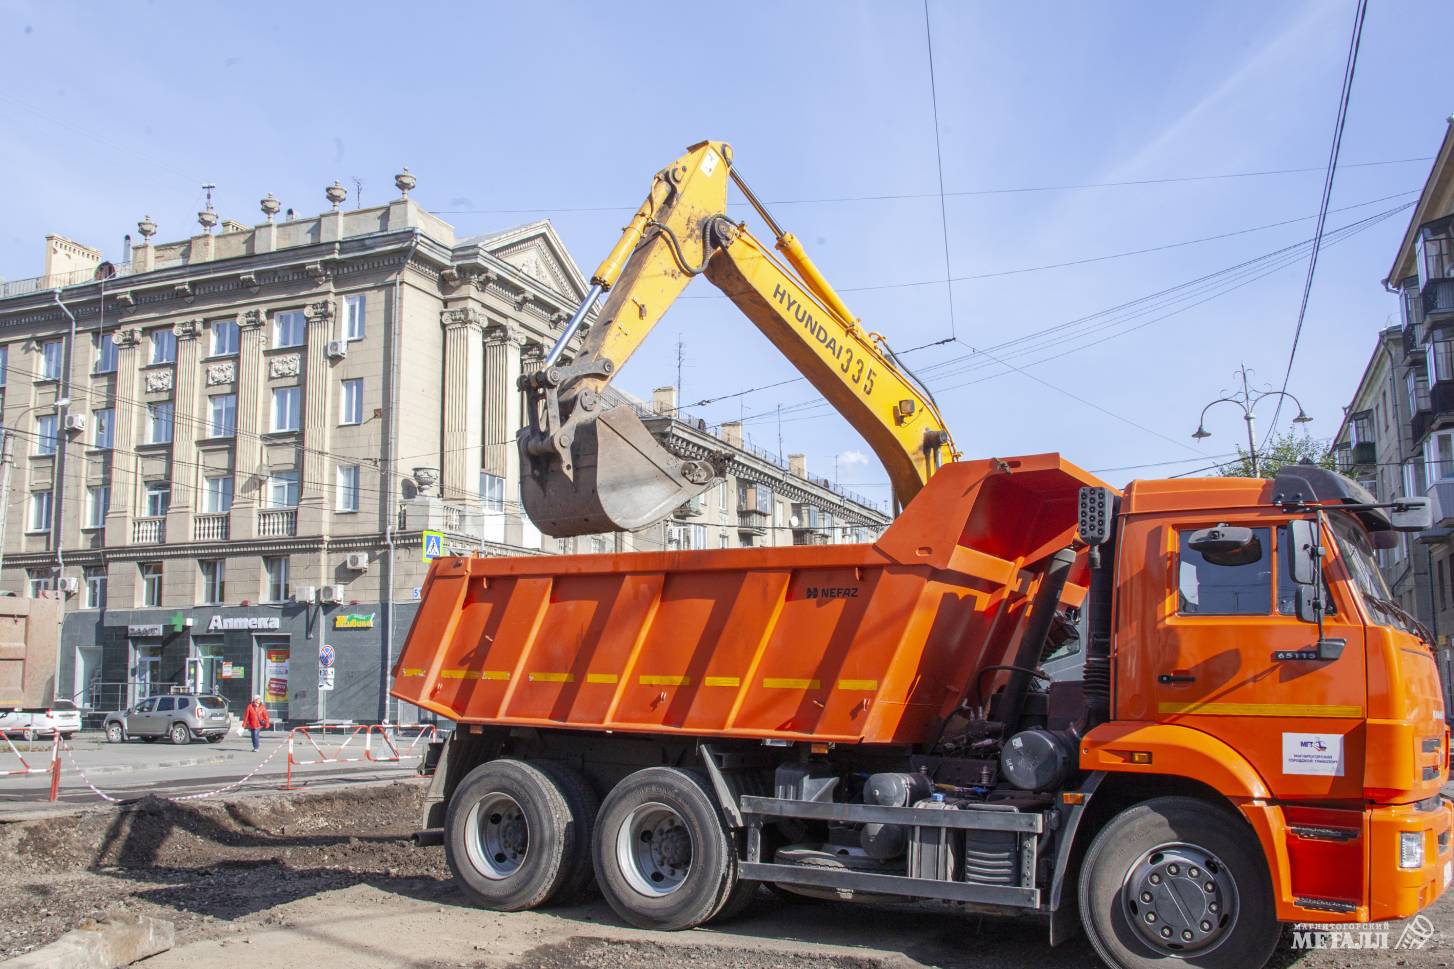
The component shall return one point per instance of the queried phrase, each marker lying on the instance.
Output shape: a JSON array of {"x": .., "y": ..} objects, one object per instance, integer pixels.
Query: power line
[{"x": 939, "y": 165}]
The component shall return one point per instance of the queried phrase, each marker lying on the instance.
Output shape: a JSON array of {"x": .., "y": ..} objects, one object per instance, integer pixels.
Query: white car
[{"x": 61, "y": 717}]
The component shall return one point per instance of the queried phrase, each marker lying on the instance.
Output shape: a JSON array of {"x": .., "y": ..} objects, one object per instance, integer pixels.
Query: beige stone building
[{"x": 226, "y": 451}]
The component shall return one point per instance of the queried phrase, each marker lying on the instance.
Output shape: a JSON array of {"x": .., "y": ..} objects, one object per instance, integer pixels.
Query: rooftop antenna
[{"x": 357, "y": 191}]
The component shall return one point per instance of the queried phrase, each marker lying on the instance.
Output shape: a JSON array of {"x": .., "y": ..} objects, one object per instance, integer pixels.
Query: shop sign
[
  {"x": 233, "y": 671},
  {"x": 354, "y": 620},
  {"x": 145, "y": 629},
  {"x": 223, "y": 623},
  {"x": 276, "y": 676}
]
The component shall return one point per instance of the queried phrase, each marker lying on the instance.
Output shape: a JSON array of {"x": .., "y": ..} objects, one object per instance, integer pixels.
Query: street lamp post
[{"x": 1248, "y": 399}]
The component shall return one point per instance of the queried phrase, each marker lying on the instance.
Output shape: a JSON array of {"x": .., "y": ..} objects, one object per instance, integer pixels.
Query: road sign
[
  {"x": 325, "y": 657},
  {"x": 433, "y": 546},
  {"x": 325, "y": 679}
]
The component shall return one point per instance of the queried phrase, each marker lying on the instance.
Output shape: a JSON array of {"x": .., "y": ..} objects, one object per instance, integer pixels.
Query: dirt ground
[{"x": 327, "y": 878}]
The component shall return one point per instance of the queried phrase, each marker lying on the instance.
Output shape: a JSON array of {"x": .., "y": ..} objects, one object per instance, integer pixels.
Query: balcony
[
  {"x": 752, "y": 521},
  {"x": 1439, "y": 299},
  {"x": 691, "y": 508},
  {"x": 1441, "y": 495},
  {"x": 1439, "y": 412},
  {"x": 149, "y": 531},
  {"x": 277, "y": 523},
  {"x": 211, "y": 528}
]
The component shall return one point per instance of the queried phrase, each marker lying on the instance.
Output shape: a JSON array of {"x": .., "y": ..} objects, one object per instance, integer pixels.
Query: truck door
[{"x": 1231, "y": 658}]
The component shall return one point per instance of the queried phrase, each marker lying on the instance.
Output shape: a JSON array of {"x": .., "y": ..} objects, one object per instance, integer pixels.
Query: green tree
[{"x": 1289, "y": 448}]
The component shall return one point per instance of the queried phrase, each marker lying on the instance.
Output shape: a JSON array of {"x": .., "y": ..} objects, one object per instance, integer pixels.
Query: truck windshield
[{"x": 1362, "y": 566}]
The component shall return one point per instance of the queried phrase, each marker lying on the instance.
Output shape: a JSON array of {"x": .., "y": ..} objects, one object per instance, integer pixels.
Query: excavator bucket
[{"x": 622, "y": 479}]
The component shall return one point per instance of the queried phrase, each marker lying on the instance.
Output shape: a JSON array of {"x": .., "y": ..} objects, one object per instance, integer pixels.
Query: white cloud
[{"x": 852, "y": 457}]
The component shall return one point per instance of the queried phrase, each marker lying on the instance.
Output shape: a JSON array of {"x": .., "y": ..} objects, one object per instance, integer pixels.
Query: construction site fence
[{"x": 379, "y": 743}]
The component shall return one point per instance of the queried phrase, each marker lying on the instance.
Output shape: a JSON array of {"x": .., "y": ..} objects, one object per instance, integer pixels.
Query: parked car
[
  {"x": 61, "y": 717},
  {"x": 180, "y": 718}
]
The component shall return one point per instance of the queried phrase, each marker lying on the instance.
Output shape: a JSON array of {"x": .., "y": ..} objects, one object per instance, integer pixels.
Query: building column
[
  {"x": 186, "y": 420},
  {"x": 247, "y": 446},
  {"x": 316, "y": 477},
  {"x": 503, "y": 416},
  {"x": 463, "y": 403},
  {"x": 126, "y": 413}
]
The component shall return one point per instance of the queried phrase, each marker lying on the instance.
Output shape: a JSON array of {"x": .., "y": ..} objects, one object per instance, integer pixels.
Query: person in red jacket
[{"x": 255, "y": 718}]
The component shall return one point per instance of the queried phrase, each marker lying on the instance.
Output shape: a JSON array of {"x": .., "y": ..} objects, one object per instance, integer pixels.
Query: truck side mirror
[
  {"x": 1300, "y": 554},
  {"x": 1412, "y": 514},
  {"x": 1309, "y": 608}
]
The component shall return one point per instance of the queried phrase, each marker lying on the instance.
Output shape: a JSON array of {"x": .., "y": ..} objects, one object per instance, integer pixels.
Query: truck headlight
[{"x": 1411, "y": 849}]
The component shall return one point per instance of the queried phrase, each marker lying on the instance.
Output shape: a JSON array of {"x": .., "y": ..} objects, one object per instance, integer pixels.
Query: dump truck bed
[{"x": 869, "y": 643}]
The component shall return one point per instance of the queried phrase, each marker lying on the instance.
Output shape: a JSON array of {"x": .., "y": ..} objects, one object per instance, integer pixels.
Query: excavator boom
[{"x": 588, "y": 467}]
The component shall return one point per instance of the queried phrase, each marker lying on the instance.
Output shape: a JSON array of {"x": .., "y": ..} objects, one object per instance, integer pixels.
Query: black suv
[{"x": 181, "y": 718}]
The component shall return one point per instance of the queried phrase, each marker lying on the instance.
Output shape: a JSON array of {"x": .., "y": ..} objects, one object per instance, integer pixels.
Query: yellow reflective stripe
[
  {"x": 666, "y": 681},
  {"x": 473, "y": 674},
  {"x": 776, "y": 683},
  {"x": 869, "y": 685},
  {"x": 1342, "y": 711},
  {"x": 411, "y": 671},
  {"x": 607, "y": 678},
  {"x": 551, "y": 677},
  {"x": 722, "y": 681}
]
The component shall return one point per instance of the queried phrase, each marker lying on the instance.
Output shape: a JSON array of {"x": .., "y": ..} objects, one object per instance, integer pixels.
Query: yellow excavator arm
[{"x": 587, "y": 467}]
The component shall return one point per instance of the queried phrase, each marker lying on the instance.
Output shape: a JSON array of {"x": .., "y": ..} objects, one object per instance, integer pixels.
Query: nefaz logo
[
  {"x": 849, "y": 364},
  {"x": 831, "y": 592}
]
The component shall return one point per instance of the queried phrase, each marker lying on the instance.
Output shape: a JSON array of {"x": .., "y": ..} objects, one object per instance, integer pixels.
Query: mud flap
[{"x": 622, "y": 479}]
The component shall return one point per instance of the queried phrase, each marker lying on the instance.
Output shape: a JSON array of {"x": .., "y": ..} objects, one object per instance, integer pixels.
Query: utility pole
[
  {"x": 7, "y": 461},
  {"x": 1247, "y": 400}
]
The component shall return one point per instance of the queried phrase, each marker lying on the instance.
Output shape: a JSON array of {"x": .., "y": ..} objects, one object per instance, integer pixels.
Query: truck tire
[
  {"x": 663, "y": 859},
  {"x": 582, "y": 804},
  {"x": 180, "y": 734},
  {"x": 1222, "y": 913},
  {"x": 510, "y": 837},
  {"x": 114, "y": 733}
]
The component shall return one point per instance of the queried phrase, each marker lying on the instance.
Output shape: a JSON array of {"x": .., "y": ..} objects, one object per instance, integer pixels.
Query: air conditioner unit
[
  {"x": 330, "y": 593},
  {"x": 337, "y": 349},
  {"x": 358, "y": 561},
  {"x": 70, "y": 584},
  {"x": 75, "y": 422},
  {"x": 304, "y": 593}
]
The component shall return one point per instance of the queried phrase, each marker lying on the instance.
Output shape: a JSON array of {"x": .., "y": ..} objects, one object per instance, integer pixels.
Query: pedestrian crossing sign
[{"x": 433, "y": 546}]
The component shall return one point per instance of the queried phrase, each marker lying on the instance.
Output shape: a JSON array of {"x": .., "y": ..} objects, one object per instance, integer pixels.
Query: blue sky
[{"x": 116, "y": 111}]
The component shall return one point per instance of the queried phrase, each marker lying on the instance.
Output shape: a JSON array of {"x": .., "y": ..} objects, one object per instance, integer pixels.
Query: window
[
  {"x": 289, "y": 328},
  {"x": 40, "y": 509},
  {"x": 45, "y": 434},
  {"x": 95, "y": 596},
  {"x": 347, "y": 487},
  {"x": 1234, "y": 584},
  {"x": 105, "y": 352},
  {"x": 1439, "y": 456},
  {"x": 679, "y": 537},
  {"x": 283, "y": 489},
  {"x": 353, "y": 317},
  {"x": 159, "y": 422},
  {"x": 1439, "y": 356},
  {"x": 151, "y": 583},
  {"x": 214, "y": 574},
  {"x": 166, "y": 704},
  {"x": 4, "y": 364},
  {"x": 98, "y": 503},
  {"x": 286, "y": 408},
  {"x": 492, "y": 492},
  {"x": 276, "y": 571},
  {"x": 37, "y": 581},
  {"x": 217, "y": 494},
  {"x": 158, "y": 498},
  {"x": 351, "y": 402},
  {"x": 1417, "y": 386},
  {"x": 50, "y": 360},
  {"x": 163, "y": 346},
  {"x": 1442, "y": 585},
  {"x": 103, "y": 428},
  {"x": 222, "y": 415},
  {"x": 224, "y": 338}
]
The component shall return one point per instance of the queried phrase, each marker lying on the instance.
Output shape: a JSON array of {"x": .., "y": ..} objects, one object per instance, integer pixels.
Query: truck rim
[
  {"x": 1180, "y": 897},
  {"x": 497, "y": 836},
  {"x": 654, "y": 849}
]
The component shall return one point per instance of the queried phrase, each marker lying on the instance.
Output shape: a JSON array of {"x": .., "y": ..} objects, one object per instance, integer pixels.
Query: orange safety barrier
[
  {"x": 389, "y": 733},
  {"x": 341, "y": 755},
  {"x": 54, "y": 767}
]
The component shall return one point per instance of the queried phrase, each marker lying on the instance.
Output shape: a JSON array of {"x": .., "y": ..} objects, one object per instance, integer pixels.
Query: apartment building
[{"x": 227, "y": 451}]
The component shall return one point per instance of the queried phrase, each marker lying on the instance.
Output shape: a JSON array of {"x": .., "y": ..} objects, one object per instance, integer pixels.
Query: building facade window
[
  {"x": 105, "y": 353},
  {"x": 217, "y": 494},
  {"x": 289, "y": 328},
  {"x": 214, "y": 576},
  {"x": 37, "y": 581},
  {"x": 50, "y": 360},
  {"x": 163, "y": 346},
  {"x": 1439, "y": 356},
  {"x": 159, "y": 422},
  {"x": 103, "y": 430},
  {"x": 98, "y": 503},
  {"x": 275, "y": 571},
  {"x": 4, "y": 364},
  {"x": 353, "y": 316},
  {"x": 347, "y": 487},
  {"x": 350, "y": 402},
  {"x": 158, "y": 498},
  {"x": 224, "y": 338},
  {"x": 1439, "y": 456},
  {"x": 222, "y": 415},
  {"x": 283, "y": 489},
  {"x": 287, "y": 414},
  {"x": 95, "y": 595},
  {"x": 151, "y": 583},
  {"x": 492, "y": 492},
  {"x": 40, "y": 511},
  {"x": 45, "y": 433}
]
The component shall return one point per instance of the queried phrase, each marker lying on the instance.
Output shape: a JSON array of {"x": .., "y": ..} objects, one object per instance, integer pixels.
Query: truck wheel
[
  {"x": 510, "y": 837},
  {"x": 180, "y": 734},
  {"x": 663, "y": 860},
  {"x": 582, "y": 806},
  {"x": 114, "y": 733},
  {"x": 1176, "y": 881}
]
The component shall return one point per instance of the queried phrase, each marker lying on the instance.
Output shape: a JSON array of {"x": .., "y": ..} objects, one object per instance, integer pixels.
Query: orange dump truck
[{"x": 1257, "y": 735}]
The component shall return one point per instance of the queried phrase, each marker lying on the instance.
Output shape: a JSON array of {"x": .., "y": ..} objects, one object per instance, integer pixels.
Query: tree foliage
[{"x": 1285, "y": 449}]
